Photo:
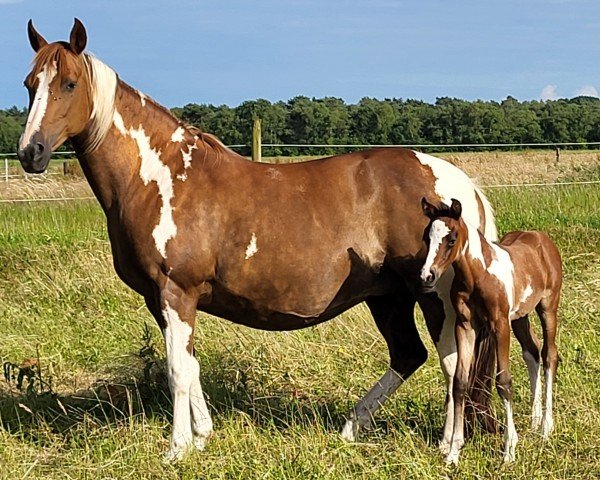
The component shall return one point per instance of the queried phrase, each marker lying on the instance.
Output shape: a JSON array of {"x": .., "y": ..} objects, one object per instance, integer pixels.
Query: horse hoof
[
  {"x": 452, "y": 459},
  {"x": 200, "y": 442},
  {"x": 174, "y": 455},
  {"x": 444, "y": 447}
]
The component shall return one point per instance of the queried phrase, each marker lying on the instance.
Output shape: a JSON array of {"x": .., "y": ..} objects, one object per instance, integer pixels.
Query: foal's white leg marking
[
  {"x": 153, "y": 170},
  {"x": 363, "y": 411},
  {"x": 251, "y": 249},
  {"x": 446, "y": 348},
  {"x": 548, "y": 423},
  {"x": 38, "y": 108},
  {"x": 510, "y": 434},
  {"x": 535, "y": 382},
  {"x": 182, "y": 369},
  {"x": 438, "y": 231}
]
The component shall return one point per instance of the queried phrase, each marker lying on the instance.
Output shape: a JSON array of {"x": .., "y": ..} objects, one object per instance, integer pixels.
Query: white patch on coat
[
  {"x": 153, "y": 170},
  {"x": 474, "y": 249},
  {"x": 525, "y": 294},
  {"x": 503, "y": 269},
  {"x": 178, "y": 135},
  {"x": 142, "y": 99},
  {"x": 38, "y": 107},
  {"x": 251, "y": 249},
  {"x": 437, "y": 232},
  {"x": 364, "y": 410},
  {"x": 187, "y": 156},
  {"x": 451, "y": 182}
]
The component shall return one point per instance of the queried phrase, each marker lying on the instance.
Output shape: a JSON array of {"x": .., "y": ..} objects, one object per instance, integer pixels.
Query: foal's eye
[
  {"x": 451, "y": 242},
  {"x": 71, "y": 86}
]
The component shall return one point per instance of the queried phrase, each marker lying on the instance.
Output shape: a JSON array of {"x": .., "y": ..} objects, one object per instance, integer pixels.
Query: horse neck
[
  {"x": 470, "y": 263},
  {"x": 139, "y": 127}
]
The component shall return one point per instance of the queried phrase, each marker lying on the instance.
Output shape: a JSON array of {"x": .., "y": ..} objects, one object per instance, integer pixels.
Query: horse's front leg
[{"x": 175, "y": 311}]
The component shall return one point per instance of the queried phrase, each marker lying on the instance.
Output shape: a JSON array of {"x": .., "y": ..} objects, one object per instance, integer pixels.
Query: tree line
[{"x": 330, "y": 120}]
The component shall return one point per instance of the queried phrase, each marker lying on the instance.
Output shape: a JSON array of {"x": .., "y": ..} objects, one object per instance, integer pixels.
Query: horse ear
[
  {"x": 455, "y": 209},
  {"x": 78, "y": 37},
  {"x": 35, "y": 39},
  {"x": 428, "y": 209}
]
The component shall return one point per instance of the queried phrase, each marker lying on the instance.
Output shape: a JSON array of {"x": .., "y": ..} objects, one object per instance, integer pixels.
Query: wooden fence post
[
  {"x": 256, "y": 141},
  {"x": 6, "y": 169}
]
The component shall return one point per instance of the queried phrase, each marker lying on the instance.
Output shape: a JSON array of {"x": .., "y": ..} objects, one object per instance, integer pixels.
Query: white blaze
[
  {"x": 38, "y": 108},
  {"x": 153, "y": 170},
  {"x": 251, "y": 249},
  {"x": 437, "y": 232}
]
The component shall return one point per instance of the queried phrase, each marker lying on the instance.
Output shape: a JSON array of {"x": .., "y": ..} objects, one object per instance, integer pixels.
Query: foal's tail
[{"x": 479, "y": 405}]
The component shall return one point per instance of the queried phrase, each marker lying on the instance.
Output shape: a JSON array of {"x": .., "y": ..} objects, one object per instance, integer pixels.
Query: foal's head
[
  {"x": 445, "y": 237},
  {"x": 60, "y": 99}
]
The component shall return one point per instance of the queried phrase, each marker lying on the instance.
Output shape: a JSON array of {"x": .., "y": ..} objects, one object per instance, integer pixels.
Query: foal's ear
[
  {"x": 35, "y": 39},
  {"x": 428, "y": 209},
  {"x": 78, "y": 37},
  {"x": 455, "y": 209}
]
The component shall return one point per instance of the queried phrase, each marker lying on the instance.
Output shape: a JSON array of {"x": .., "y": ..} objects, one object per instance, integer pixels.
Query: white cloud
[
  {"x": 549, "y": 93},
  {"x": 586, "y": 91}
]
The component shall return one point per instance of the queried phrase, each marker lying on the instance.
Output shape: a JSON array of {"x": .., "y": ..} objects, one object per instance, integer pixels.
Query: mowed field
[{"x": 94, "y": 400}]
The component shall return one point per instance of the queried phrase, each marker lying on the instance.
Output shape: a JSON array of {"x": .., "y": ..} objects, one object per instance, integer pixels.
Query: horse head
[
  {"x": 60, "y": 102},
  {"x": 445, "y": 237}
]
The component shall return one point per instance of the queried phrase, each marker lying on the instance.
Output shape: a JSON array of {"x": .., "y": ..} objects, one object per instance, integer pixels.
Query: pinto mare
[
  {"x": 494, "y": 286},
  {"x": 193, "y": 225}
]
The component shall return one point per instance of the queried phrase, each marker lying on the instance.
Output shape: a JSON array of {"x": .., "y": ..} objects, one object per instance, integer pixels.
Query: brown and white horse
[
  {"x": 193, "y": 225},
  {"x": 495, "y": 286}
]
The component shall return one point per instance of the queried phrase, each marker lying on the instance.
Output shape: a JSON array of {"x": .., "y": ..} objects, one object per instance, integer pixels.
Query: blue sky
[{"x": 225, "y": 52}]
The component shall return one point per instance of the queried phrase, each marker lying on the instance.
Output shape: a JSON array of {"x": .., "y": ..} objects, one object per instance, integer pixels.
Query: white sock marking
[
  {"x": 366, "y": 407},
  {"x": 510, "y": 434},
  {"x": 182, "y": 368},
  {"x": 535, "y": 383},
  {"x": 548, "y": 422}
]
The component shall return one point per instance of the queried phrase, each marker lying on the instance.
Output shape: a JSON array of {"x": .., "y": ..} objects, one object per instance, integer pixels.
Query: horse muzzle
[
  {"x": 35, "y": 157},
  {"x": 429, "y": 278}
]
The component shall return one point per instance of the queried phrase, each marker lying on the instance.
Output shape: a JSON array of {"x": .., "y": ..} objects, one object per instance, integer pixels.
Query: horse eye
[
  {"x": 451, "y": 242},
  {"x": 71, "y": 86}
]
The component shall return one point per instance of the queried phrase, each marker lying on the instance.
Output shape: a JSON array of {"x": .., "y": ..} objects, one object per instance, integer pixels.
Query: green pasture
[{"x": 94, "y": 402}]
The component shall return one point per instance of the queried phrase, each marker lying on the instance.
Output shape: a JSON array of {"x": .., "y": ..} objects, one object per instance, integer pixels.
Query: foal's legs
[
  {"x": 175, "y": 312},
  {"x": 547, "y": 310},
  {"x": 465, "y": 342},
  {"x": 530, "y": 348},
  {"x": 394, "y": 316},
  {"x": 440, "y": 318},
  {"x": 504, "y": 385}
]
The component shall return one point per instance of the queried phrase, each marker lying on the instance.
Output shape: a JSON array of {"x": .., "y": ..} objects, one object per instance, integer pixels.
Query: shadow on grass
[{"x": 230, "y": 385}]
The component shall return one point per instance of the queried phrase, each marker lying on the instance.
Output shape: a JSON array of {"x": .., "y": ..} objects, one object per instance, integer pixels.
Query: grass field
[{"x": 98, "y": 405}]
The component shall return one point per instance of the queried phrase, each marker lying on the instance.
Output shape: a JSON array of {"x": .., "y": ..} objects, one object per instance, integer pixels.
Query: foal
[{"x": 494, "y": 286}]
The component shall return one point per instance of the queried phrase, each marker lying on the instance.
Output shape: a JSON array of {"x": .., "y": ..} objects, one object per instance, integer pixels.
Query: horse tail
[{"x": 479, "y": 405}]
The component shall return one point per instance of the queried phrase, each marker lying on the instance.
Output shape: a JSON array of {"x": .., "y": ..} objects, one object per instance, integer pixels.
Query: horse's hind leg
[
  {"x": 175, "y": 313},
  {"x": 394, "y": 316},
  {"x": 547, "y": 311},
  {"x": 530, "y": 348}
]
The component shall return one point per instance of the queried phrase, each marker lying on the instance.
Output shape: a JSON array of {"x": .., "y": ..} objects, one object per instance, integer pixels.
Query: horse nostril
[{"x": 39, "y": 148}]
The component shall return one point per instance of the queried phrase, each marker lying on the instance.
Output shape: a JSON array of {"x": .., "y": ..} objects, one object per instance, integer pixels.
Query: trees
[{"x": 329, "y": 120}]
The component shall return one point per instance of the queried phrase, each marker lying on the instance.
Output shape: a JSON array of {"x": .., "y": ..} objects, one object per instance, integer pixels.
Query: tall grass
[{"x": 278, "y": 399}]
